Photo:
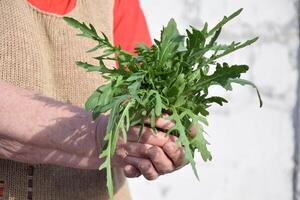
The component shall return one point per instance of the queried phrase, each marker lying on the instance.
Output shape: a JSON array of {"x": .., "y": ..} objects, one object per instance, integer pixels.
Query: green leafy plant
[{"x": 172, "y": 76}]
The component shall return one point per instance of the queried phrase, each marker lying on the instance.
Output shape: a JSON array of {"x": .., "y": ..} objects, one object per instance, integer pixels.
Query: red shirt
[{"x": 130, "y": 27}]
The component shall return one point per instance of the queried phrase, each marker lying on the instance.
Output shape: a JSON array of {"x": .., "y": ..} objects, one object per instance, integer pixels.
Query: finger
[
  {"x": 136, "y": 149},
  {"x": 118, "y": 158},
  {"x": 162, "y": 122},
  {"x": 130, "y": 171},
  {"x": 159, "y": 139},
  {"x": 160, "y": 160},
  {"x": 144, "y": 165},
  {"x": 194, "y": 130},
  {"x": 172, "y": 138},
  {"x": 175, "y": 153}
]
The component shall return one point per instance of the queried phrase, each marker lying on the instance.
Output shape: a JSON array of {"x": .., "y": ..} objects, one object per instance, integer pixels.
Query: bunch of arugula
[{"x": 173, "y": 76}]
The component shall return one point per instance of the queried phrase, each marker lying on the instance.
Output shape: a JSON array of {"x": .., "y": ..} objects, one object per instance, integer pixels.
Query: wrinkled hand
[{"x": 152, "y": 156}]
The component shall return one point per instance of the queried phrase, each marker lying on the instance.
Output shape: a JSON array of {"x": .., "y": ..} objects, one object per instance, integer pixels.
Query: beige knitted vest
[{"x": 37, "y": 52}]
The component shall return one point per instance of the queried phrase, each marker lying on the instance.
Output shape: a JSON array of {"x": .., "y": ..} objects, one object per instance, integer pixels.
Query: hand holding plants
[{"x": 152, "y": 155}]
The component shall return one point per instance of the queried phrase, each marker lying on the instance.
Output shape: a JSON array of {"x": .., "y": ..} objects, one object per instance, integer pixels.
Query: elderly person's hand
[{"x": 152, "y": 156}]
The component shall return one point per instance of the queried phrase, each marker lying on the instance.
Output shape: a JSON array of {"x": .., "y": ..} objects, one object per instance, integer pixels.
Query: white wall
[{"x": 252, "y": 148}]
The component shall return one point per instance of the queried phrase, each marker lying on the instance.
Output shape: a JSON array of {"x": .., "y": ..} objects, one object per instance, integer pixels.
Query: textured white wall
[{"x": 252, "y": 148}]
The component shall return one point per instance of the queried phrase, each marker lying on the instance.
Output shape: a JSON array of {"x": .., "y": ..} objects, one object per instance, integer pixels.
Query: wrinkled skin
[{"x": 152, "y": 156}]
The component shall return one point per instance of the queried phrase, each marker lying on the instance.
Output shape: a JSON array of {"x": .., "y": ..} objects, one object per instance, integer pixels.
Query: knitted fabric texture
[{"x": 38, "y": 52}]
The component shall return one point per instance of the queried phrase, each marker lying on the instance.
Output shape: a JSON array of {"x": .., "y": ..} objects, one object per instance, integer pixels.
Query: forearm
[
  {"x": 14, "y": 150},
  {"x": 33, "y": 126}
]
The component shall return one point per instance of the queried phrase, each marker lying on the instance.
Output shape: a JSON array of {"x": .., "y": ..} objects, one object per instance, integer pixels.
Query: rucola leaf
[
  {"x": 246, "y": 82},
  {"x": 221, "y": 76},
  {"x": 172, "y": 77}
]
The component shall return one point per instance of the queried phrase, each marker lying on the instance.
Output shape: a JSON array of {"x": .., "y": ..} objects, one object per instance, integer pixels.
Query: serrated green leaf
[
  {"x": 246, "y": 82},
  {"x": 173, "y": 76},
  {"x": 92, "y": 101},
  {"x": 136, "y": 76},
  {"x": 221, "y": 75},
  {"x": 218, "y": 100},
  {"x": 158, "y": 104},
  {"x": 225, "y": 21},
  {"x": 72, "y": 22},
  {"x": 183, "y": 139},
  {"x": 201, "y": 144}
]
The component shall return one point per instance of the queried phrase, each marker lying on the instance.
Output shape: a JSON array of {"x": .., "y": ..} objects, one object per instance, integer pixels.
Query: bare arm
[{"x": 37, "y": 129}]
